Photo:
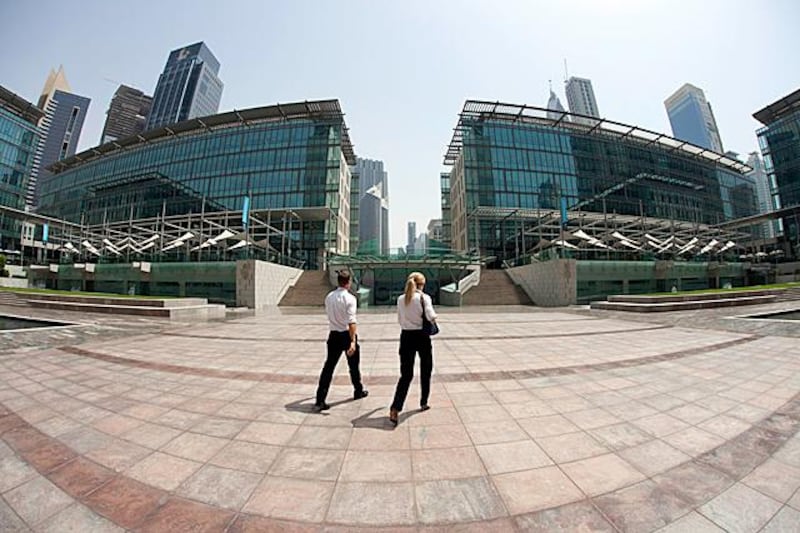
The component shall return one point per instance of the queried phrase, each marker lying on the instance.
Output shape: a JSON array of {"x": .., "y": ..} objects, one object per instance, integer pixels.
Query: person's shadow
[
  {"x": 367, "y": 420},
  {"x": 306, "y": 405}
]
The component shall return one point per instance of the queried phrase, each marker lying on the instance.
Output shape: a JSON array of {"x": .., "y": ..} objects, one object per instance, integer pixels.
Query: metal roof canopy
[
  {"x": 485, "y": 110},
  {"x": 19, "y": 106},
  {"x": 318, "y": 109},
  {"x": 778, "y": 109},
  {"x": 546, "y": 225}
]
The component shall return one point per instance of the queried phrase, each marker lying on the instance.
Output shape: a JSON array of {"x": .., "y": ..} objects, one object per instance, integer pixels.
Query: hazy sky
[{"x": 402, "y": 70}]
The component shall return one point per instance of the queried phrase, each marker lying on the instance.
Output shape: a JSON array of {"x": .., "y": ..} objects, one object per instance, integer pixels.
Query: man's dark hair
[{"x": 343, "y": 277}]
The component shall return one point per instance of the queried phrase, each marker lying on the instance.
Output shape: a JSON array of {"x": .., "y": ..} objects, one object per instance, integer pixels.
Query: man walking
[{"x": 340, "y": 306}]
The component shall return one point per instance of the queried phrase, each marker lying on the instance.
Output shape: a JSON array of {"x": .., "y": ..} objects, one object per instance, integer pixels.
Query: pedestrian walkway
[{"x": 539, "y": 420}]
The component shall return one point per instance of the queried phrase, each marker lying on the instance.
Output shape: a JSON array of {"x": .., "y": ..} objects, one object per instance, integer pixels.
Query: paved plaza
[{"x": 540, "y": 420}]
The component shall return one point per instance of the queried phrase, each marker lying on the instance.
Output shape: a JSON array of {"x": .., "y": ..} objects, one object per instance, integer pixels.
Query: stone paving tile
[
  {"x": 376, "y": 466},
  {"x": 601, "y": 474},
  {"x": 267, "y": 433},
  {"x": 446, "y": 463},
  {"x": 78, "y": 518},
  {"x": 152, "y": 436},
  {"x": 36, "y": 500},
  {"x": 10, "y": 520},
  {"x": 220, "y": 486},
  {"x": 291, "y": 499},
  {"x": 80, "y": 477},
  {"x": 495, "y": 432},
  {"x": 119, "y": 455},
  {"x": 641, "y": 507},
  {"x": 458, "y": 500},
  {"x": 512, "y": 456},
  {"x": 693, "y": 522},
  {"x": 740, "y": 508},
  {"x": 579, "y": 516},
  {"x": 787, "y": 519},
  {"x": 571, "y": 447},
  {"x": 693, "y": 441},
  {"x": 533, "y": 490},
  {"x": 14, "y": 472},
  {"x": 306, "y": 463},
  {"x": 372, "y": 504},
  {"x": 195, "y": 447},
  {"x": 182, "y": 515},
  {"x": 654, "y": 457},
  {"x": 246, "y": 456},
  {"x": 163, "y": 471}
]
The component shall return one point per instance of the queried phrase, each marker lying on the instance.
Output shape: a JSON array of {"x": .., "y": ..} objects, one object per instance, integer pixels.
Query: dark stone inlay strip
[
  {"x": 321, "y": 340},
  {"x": 388, "y": 380},
  {"x": 129, "y": 503}
]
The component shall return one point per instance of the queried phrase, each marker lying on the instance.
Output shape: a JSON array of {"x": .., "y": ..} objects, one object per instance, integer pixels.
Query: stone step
[
  {"x": 695, "y": 297},
  {"x": 682, "y": 306},
  {"x": 110, "y": 300},
  {"x": 189, "y": 313}
]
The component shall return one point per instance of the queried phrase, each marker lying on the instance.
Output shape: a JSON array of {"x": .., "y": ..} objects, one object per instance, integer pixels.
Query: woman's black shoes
[{"x": 424, "y": 407}]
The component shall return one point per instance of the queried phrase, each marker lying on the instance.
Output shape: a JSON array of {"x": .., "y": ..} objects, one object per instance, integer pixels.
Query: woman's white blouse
[{"x": 410, "y": 316}]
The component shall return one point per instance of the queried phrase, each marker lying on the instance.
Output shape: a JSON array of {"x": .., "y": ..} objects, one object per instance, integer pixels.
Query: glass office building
[
  {"x": 19, "y": 138},
  {"x": 779, "y": 141},
  {"x": 291, "y": 162},
  {"x": 517, "y": 165}
]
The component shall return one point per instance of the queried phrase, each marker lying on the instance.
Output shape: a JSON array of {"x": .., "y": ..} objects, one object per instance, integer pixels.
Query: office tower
[
  {"x": 692, "y": 118},
  {"x": 374, "y": 206},
  {"x": 412, "y": 237},
  {"x": 555, "y": 109},
  {"x": 19, "y": 138},
  {"x": 64, "y": 113},
  {"x": 779, "y": 141},
  {"x": 580, "y": 99},
  {"x": 126, "y": 114},
  {"x": 188, "y": 87},
  {"x": 763, "y": 193}
]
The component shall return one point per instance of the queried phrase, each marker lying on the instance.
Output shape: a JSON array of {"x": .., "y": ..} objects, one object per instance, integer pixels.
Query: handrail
[{"x": 470, "y": 280}]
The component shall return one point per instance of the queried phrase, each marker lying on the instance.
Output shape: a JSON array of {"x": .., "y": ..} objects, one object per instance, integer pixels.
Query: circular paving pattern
[{"x": 540, "y": 420}]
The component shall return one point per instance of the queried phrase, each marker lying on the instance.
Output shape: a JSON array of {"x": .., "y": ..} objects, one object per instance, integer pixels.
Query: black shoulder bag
[{"x": 428, "y": 327}]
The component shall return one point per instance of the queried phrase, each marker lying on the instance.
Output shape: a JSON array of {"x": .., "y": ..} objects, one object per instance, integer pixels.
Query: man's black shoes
[
  {"x": 362, "y": 394},
  {"x": 319, "y": 407}
]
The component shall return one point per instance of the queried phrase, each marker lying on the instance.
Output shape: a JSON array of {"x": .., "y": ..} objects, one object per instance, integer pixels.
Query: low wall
[
  {"x": 17, "y": 283},
  {"x": 260, "y": 284},
  {"x": 548, "y": 283}
]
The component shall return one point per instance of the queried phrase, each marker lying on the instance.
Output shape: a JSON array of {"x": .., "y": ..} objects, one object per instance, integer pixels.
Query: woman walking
[{"x": 410, "y": 307}]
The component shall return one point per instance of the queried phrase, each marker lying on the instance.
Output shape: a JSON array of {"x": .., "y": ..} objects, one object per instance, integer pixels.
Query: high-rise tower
[
  {"x": 188, "y": 87},
  {"x": 126, "y": 114},
  {"x": 581, "y": 100},
  {"x": 64, "y": 113},
  {"x": 692, "y": 119}
]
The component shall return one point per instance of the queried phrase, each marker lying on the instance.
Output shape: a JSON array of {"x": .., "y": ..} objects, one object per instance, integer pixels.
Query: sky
[{"x": 402, "y": 70}]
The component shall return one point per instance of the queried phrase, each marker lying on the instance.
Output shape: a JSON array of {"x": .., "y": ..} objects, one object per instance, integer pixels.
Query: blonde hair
[{"x": 414, "y": 279}]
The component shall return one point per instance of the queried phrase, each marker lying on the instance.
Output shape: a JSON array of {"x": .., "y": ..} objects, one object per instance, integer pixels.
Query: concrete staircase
[
  {"x": 11, "y": 299},
  {"x": 310, "y": 290},
  {"x": 496, "y": 288}
]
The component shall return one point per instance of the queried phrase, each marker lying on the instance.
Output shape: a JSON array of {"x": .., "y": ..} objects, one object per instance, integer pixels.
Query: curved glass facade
[
  {"x": 19, "y": 138},
  {"x": 295, "y": 165},
  {"x": 534, "y": 166}
]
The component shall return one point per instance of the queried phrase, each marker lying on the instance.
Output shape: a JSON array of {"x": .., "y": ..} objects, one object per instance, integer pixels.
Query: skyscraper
[
  {"x": 188, "y": 87},
  {"x": 692, "y": 119},
  {"x": 556, "y": 110},
  {"x": 580, "y": 99},
  {"x": 412, "y": 237},
  {"x": 374, "y": 205},
  {"x": 763, "y": 192},
  {"x": 64, "y": 113},
  {"x": 126, "y": 114}
]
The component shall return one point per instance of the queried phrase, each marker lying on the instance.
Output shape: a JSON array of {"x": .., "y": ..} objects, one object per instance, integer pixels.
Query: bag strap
[{"x": 422, "y": 302}]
